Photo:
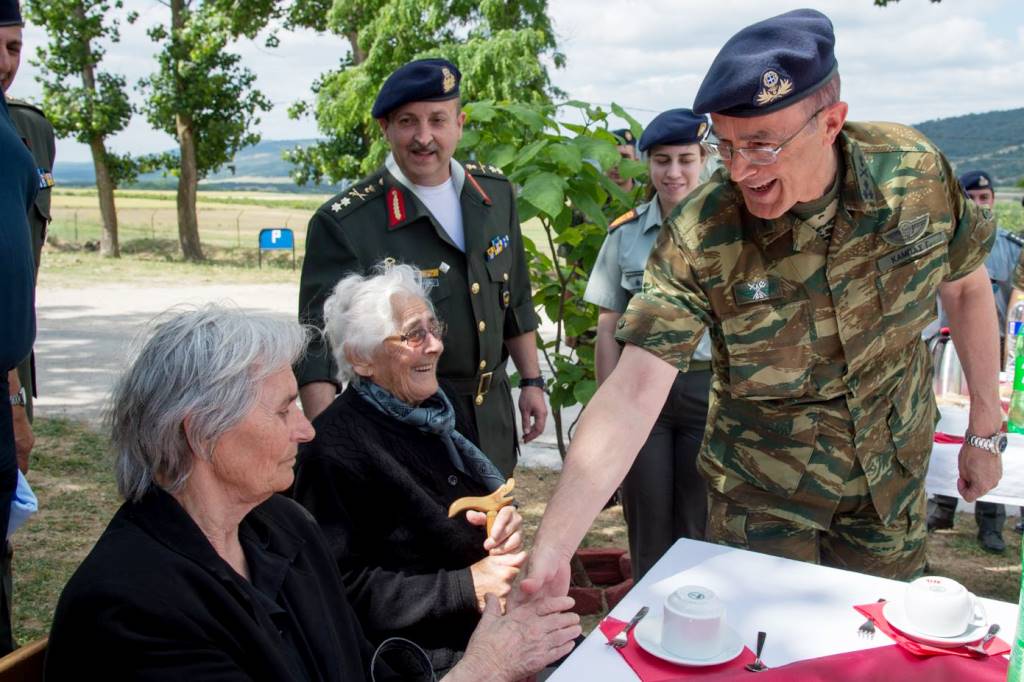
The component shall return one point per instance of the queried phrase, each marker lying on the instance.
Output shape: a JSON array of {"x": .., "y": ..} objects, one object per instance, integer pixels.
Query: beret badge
[
  {"x": 982, "y": 181},
  {"x": 701, "y": 129},
  {"x": 773, "y": 87},
  {"x": 447, "y": 79}
]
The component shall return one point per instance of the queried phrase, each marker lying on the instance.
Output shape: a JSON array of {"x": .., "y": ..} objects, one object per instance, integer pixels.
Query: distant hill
[
  {"x": 993, "y": 141},
  {"x": 260, "y": 167}
]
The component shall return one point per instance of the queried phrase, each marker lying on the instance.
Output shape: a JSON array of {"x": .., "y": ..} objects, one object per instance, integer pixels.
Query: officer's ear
[
  {"x": 383, "y": 123},
  {"x": 833, "y": 117}
]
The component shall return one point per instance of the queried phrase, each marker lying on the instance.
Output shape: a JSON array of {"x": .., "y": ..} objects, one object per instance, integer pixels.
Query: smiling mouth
[
  {"x": 761, "y": 189},
  {"x": 423, "y": 370}
]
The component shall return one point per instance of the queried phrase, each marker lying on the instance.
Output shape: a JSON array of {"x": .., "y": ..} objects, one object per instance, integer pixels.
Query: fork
[
  {"x": 979, "y": 648},
  {"x": 867, "y": 628},
  {"x": 622, "y": 639}
]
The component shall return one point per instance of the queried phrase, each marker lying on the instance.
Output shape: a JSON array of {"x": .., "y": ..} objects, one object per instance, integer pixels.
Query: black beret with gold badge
[{"x": 424, "y": 80}]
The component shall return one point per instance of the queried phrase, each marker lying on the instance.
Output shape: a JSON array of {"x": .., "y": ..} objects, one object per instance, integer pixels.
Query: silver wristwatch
[
  {"x": 19, "y": 398},
  {"x": 996, "y": 443}
]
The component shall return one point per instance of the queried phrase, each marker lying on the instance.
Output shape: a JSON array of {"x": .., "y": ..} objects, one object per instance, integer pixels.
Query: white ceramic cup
[
  {"x": 942, "y": 607},
  {"x": 694, "y": 623}
]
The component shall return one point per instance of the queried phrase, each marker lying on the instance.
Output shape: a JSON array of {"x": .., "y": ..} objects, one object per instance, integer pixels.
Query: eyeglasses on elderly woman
[{"x": 416, "y": 337}]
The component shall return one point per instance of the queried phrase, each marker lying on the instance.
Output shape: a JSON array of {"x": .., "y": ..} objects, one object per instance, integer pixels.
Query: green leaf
[
  {"x": 584, "y": 391},
  {"x": 546, "y": 192},
  {"x": 527, "y": 153},
  {"x": 501, "y": 155},
  {"x": 567, "y": 157},
  {"x": 480, "y": 112}
]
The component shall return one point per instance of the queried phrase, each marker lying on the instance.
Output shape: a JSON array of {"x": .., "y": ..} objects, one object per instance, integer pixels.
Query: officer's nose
[
  {"x": 422, "y": 134},
  {"x": 739, "y": 168}
]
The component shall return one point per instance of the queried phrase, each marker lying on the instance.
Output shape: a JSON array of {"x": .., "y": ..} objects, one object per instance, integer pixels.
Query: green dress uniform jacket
[
  {"x": 37, "y": 133},
  {"x": 809, "y": 330},
  {"x": 483, "y": 294}
]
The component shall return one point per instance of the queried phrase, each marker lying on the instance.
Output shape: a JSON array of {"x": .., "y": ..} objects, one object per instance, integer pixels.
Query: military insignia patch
[
  {"x": 498, "y": 244},
  {"x": 478, "y": 188},
  {"x": 430, "y": 272},
  {"x": 756, "y": 290},
  {"x": 506, "y": 298},
  {"x": 911, "y": 252},
  {"x": 396, "y": 207},
  {"x": 907, "y": 231},
  {"x": 701, "y": 129},
  {"x": 45, "y": 179},
  {"x": 773, "y": 87},
  {"x": 447, "y": 79},
  {"x": 622, "y": 219}
]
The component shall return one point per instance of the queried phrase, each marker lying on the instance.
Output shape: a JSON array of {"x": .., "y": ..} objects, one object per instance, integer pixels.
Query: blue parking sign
[{"x": 275, "y": 239}]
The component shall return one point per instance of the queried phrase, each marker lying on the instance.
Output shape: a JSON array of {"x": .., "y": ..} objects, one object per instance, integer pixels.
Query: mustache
[{"x": 417, "y": 147}]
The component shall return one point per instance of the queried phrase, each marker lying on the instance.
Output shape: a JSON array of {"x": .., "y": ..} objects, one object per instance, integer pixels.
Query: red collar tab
[
  {"x": 396, "y": 207},
  {"x": 478, "y": 188}
]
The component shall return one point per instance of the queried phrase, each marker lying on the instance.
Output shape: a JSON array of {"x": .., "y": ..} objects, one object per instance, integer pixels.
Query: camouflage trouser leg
[{"x": 856, "y": 540}]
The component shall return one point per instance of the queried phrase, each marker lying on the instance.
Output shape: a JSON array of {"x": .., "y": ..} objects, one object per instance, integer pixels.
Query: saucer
[
  {"x": 647, "y": 635},
  {"x": 894, "y": 613}
]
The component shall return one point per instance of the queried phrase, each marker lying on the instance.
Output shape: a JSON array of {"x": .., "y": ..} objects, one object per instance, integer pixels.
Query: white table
[
  {"x": 943, "y": 467},
  {"x": 806, "y": 610}
]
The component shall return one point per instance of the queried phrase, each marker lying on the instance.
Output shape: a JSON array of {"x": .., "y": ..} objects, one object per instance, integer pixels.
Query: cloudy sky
[{"x": 909, "y": 62}]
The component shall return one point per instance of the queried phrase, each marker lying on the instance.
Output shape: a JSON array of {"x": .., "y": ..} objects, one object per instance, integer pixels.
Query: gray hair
[
  {"x": 358, "y": 316},
  {"x": 204, "y": 364}
]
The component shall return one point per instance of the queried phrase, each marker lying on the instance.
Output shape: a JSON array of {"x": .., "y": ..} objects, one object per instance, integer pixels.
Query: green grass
[{"x": 71, "y": 475}]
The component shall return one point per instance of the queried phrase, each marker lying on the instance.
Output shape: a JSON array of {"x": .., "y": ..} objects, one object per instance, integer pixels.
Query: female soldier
[{"x": 663, "y": 496}]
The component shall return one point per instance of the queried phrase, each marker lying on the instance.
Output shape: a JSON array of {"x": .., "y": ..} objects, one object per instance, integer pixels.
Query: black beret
[
  {"x": 770, "y": 65},
  {"x": 10, "y": 13},
  {"x": 675, "y": 126},
  {"x": 625, "y": 136},
  {"x": 976, "y": 179},
  {"x": 424, "y": 80}
]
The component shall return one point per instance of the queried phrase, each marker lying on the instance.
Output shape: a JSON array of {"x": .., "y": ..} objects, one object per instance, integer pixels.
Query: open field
[{"x": 71, "y": 474}]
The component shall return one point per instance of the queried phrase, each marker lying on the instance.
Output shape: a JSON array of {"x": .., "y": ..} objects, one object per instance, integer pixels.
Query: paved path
[{"x": 85, "y": 336}]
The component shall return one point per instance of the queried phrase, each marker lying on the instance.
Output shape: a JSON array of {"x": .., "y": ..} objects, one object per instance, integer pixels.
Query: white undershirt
[{"x": 443, "y": 203}]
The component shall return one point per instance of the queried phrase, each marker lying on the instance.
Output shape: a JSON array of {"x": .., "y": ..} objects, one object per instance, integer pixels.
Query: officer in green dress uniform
[
  {"x": 813, "y": 257},
  {"x": 664, "y": 497},
  {"x": 457, "y": 223}
]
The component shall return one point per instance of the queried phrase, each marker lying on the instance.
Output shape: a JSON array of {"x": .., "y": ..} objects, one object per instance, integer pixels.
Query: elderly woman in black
[
  {"x": 204, "y": 573},
  {"x": 386, "y": 464}
]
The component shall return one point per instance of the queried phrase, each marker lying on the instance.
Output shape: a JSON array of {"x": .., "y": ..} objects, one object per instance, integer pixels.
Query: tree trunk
[
  {"x": 188, "y": 183},
  {"x": 109, "y": 247},
  {"x": 358, "y": 56}
]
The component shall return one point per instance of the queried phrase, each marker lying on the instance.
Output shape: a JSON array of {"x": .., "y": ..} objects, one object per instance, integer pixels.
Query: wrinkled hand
[
  {"x": 506, "y": 534},
  {"x": 547, "y": 575},
  {"x": 533, "y": 411},
  {"x": 520, "y": 643},
  {"x": 24, "y": 438},
  {"x": 980, "y": 471},
  {"x": 495, "y": 575}
]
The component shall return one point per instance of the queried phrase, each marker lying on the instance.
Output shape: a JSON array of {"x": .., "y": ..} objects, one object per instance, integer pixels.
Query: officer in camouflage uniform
[
  {"x": 1002, "y": 264},
  {"x": 468, "y": 245},
  {"x": 813, "y": 258}
]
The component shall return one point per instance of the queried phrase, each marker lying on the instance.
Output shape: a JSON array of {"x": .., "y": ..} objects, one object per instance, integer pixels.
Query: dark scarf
[{"x": 435, "y": 415}]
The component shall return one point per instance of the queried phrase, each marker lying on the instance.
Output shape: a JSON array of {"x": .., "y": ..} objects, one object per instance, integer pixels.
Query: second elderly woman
[
  {"x": 663, "y": 496},
  {"x": 386, "y": 464}
]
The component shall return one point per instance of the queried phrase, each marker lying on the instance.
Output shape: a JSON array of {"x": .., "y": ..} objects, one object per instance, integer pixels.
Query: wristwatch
[
  {"x": 536, "y": 382},
  {"x": 19, "y": 398},
  {"x": 996, "y": 443}
]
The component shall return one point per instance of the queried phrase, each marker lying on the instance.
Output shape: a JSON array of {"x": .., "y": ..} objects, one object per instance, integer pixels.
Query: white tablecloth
[
  {"x": 943, "y": 468},
  {"x": 806, "y": 610}
]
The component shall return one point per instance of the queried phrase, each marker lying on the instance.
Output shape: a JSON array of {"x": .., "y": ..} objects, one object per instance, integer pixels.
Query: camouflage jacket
[{"x": 802, "y": 326}]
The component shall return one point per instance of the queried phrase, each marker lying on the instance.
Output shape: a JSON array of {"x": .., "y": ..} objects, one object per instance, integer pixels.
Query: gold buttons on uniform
[
  {"x": 479, "y": 400},
  {"x": 482, "y": 326},
  {"x": 505, "y": 276},
  {"x": 475, "y": 288},
  {"x": 483, "y": 364}
]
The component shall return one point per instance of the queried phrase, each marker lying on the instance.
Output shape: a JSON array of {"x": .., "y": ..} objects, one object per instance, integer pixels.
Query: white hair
[
  {"x": 204, "y": 364},
  {"x": 358, "y": 315}
]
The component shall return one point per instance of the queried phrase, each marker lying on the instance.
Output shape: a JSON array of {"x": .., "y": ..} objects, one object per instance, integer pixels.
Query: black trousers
[
  {"x": 664, "y": 496},
  {"x": 988, "y": 515},
  {"x": 8, "y": 482}
]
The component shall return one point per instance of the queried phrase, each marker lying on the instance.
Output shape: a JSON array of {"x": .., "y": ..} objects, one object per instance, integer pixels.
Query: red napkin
[
  {"x": 947, "y": 439},
  {"x": 881, "y": 664},
  {"x": 995, "y": 646},
  {"x": 652, "y": 669}
]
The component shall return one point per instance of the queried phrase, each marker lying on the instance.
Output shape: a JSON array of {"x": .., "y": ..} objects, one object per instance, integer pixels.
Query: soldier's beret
[
  {"x": 625, "y": 136},
  {"x": 424, "y": 80},
  {"x": 770, "y": 65},
  {"x": 976, "y": 179},
  {"x": 10, "y": 13},
  {"x": 675, "y": 126}
]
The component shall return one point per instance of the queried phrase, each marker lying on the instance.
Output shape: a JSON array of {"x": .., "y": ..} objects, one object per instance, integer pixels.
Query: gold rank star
[{"x": 471, "y": 166}]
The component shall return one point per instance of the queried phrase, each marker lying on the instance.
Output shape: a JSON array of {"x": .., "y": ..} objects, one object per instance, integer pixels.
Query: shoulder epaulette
[
  {"x": 356, "y": 195},
  {"x": 482, "y": 169},
  {"x": 20, "y": 103},
  {"x": 623, "y": 219},
  {"x": 1015, "y": 238}
]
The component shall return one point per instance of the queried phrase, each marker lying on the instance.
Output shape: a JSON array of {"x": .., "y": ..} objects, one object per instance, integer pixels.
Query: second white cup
[
  {"x": 694, "y": 623},
  {"x": 941, "y": 607}
]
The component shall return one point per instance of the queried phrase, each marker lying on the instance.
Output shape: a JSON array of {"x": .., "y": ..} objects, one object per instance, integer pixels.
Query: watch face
[{"x": 1001, "y": 442}]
